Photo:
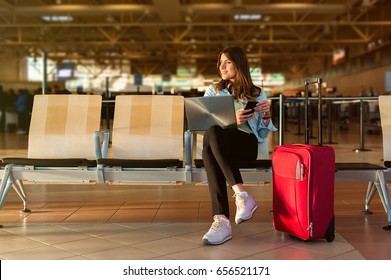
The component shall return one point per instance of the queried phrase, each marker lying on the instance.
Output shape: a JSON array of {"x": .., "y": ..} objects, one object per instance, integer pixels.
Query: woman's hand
[
  {"x": 263, "y": 107},
  {"x": 243, "y": 115}
]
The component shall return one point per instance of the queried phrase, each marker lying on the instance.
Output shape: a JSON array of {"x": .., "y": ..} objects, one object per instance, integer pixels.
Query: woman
[{"x": 223, "y": 148}]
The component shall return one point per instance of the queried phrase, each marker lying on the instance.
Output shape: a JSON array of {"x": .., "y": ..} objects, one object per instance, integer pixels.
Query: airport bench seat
[
  {"x": 61, "y": 144},
  {"x": 147, "y": 140}
]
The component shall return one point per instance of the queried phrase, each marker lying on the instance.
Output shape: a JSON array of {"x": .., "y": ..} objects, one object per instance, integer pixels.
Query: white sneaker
[
  {"x": 219, "y": 232},
  {"x": 245, "y": 207}
]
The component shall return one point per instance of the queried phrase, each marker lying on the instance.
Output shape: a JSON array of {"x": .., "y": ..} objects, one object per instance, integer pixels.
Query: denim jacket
[{"x": 256, "y": 124}]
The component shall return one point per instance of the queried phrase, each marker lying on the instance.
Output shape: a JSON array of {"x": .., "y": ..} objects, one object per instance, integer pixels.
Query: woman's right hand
[{"x": 243, "y": 115}]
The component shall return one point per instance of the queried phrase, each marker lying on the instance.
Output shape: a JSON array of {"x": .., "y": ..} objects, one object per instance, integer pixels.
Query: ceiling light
[
  {"x": 247, "y": 17},
  {"x": 57, "y": 18}
]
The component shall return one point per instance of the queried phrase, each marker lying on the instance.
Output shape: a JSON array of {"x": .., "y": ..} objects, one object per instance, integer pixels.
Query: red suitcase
[
  {"x": 303, "y": 184},
  {"x": 303, "y": 191}
]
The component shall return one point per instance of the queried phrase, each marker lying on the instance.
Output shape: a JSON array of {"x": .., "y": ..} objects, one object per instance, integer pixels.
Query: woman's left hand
[{"x": 262, "y": 107}]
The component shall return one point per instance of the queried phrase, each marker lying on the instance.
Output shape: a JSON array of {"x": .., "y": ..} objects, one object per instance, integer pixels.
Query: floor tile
[
  {"x": 173, "y": 215},
  {"x": 88, "y": 245},
  {"x": 246, "y": 246},
  {"x": 178, "y": 228},
  {"x": 133, "y": 237},
  {"x": 18, "y": 244},
  {"x": 290, "y": 253},
  {"x": 38, "y": 253},
  {"x": 133, "y": 215},
  {"x": 166, "y": 246},
  {"x": 205, "y": 252},
  {"x": 95, "y": 229},
  {"x": 123, "y": 253}
]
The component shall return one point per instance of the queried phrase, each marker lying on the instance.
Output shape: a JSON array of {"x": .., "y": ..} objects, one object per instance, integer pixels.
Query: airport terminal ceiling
[{"x": 293, "y": 37}]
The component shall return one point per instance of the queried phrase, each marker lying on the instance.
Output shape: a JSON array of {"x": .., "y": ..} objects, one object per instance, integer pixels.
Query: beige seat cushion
[
  {"x": 385, "y": 119},
  {"x": 148, "y": 127},
  {"x": 62, "y": 126}
]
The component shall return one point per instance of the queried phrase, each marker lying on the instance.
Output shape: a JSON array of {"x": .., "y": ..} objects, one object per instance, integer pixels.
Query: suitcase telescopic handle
[{"x": 307, "y": 82}]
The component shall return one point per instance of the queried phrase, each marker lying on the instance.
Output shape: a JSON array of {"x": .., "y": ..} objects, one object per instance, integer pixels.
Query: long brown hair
[{"x": 243, "y": 86}]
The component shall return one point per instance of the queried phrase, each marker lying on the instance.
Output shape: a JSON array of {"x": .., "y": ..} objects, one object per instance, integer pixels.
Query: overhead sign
[{"x": 138, "y": 79}]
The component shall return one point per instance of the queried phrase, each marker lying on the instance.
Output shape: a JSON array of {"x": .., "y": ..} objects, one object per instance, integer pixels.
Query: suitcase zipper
[
  {"x": 299, "y": 171},
  {"x": 310, "y": 227}
]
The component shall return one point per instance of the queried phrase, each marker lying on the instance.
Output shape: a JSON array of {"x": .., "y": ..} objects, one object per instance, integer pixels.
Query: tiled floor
[{"x": 167, "y": 221}]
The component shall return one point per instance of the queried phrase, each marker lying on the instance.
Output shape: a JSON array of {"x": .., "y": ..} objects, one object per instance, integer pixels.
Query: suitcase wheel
[{"x": 330, "y": 237}]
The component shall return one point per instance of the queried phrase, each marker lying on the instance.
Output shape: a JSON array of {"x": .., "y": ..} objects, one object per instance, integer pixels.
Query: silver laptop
[{"x": 203, "y": 112}]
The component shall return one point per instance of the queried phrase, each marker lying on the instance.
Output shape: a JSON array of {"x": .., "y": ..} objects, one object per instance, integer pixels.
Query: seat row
[{"x": 148, "y": 143}]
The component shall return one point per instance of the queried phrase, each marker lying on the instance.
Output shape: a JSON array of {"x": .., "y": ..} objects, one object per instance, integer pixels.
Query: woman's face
[{"x": 227, "y": 68}]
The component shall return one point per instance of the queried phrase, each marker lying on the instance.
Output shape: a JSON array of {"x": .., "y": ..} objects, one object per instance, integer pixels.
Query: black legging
[{"x": 222, "y": 149}]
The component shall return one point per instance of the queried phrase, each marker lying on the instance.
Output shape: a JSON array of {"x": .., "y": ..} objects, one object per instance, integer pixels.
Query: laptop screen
[{"x": 203, "y": 112}]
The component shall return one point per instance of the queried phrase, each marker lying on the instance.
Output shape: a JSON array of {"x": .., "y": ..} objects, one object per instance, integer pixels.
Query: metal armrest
[
  {"x": 188, "y": 149},
  {"x": 101, "y": 144}
]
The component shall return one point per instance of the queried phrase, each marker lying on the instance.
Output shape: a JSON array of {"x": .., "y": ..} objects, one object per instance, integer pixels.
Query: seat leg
[
  {"x": 368, "y": 198},
  {"x": 381, "y": 186},
  {"x": 18, "y": 187},
  {"x": 6, "y": 184},
  {"x": 100, "y": 177}
]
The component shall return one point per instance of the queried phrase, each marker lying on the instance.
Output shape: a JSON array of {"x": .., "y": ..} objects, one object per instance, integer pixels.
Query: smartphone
[{"x": 250, "y": 105}]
